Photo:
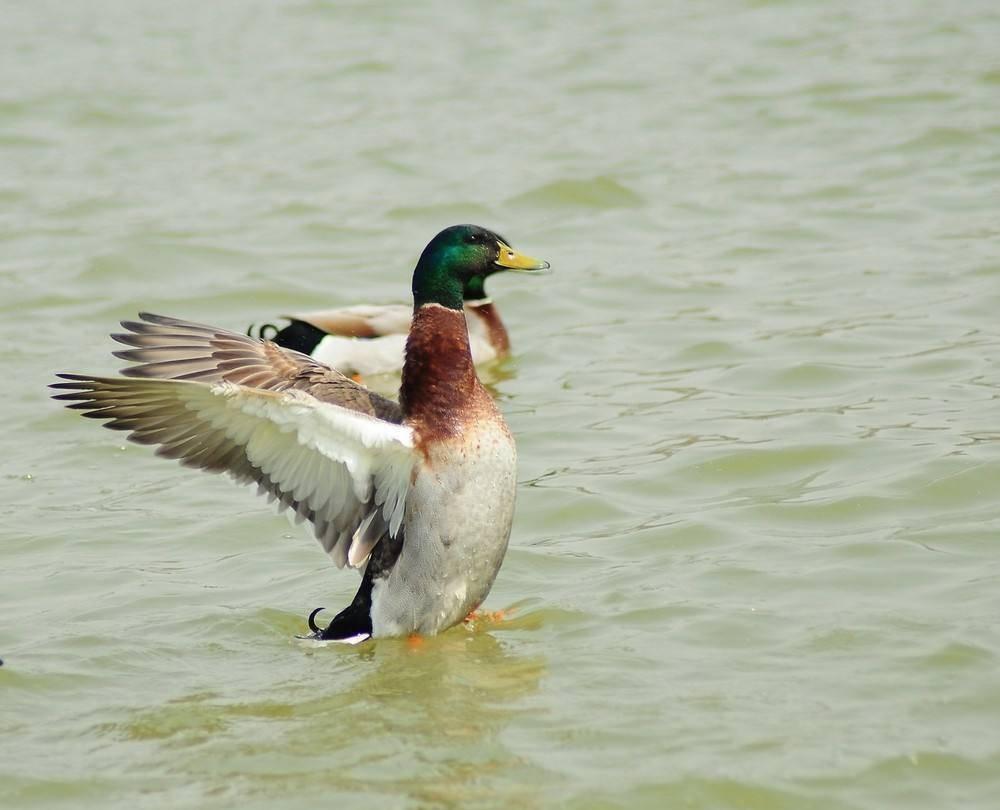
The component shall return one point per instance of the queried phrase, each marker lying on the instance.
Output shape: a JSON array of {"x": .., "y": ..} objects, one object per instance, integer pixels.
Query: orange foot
[
  {"x": 487, "y": 617},
  {"x": 358, "y": 379},
  {"x": 414, "y": 641}
]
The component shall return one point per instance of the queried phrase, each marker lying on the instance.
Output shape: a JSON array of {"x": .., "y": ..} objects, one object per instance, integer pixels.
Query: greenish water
[{"x": 756, "y": 559}]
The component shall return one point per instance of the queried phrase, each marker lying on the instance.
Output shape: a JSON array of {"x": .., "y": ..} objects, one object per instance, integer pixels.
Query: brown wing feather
[{"x": 173, "y": 349}]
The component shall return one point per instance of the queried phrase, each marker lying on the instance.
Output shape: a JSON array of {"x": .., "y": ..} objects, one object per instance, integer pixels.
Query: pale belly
[{"x": 457, "y": 524}]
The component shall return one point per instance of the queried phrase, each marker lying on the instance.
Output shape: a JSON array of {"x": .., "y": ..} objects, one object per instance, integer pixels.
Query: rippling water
[{"x": 755, "y": 562}]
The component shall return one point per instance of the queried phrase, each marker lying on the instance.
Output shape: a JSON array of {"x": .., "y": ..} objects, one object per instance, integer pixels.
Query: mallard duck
[
  {"x": 419, "y": 495},
  {"x": 366, "y": 339}
]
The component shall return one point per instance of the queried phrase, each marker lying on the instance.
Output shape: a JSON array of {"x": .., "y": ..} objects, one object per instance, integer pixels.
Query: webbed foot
[{"x": 487, "y": 618}]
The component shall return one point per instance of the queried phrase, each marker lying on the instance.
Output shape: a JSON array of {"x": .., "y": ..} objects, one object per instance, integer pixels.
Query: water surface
[{"x": 755, "y": 562}]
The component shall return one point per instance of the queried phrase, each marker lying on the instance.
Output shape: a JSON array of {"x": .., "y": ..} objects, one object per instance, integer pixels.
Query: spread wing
[
  {"x": 334, "y": 452},
  {"x": 168, "y": 348}
]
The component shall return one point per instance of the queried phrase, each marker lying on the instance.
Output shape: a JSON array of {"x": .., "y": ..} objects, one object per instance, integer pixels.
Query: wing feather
[
  {"x": 322, "y": 446},
  {"x": 169, "y": 348}
]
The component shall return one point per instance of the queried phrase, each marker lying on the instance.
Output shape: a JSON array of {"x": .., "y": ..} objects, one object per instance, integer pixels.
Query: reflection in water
[{"x": 383, "y": 718}]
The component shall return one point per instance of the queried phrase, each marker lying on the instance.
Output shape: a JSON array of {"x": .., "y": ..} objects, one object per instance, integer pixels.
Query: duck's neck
[
  {"x": 496, "y": 332},
  {"x": 438, "y": 375}
]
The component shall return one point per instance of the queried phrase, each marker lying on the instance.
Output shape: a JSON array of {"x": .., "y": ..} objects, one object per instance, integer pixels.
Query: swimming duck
[
  {"x": 367, "y": 339},
  {"x": 419, "y": 495}
]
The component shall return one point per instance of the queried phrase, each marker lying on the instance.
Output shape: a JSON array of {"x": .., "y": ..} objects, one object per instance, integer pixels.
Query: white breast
[{"x": 457, "y": 524}]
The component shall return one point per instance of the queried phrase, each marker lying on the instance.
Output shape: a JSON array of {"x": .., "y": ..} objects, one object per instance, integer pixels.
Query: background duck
[
  {"x": 366, "y": 339},
  {"x": 419, "y": 495}
]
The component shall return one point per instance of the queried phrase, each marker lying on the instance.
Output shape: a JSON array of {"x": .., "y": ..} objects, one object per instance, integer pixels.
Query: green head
[{"x": 454, "y": 266}]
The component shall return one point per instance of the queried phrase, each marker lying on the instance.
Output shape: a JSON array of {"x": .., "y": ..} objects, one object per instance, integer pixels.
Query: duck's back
[
  {"x": 364, "y": 356},
  {"x": 371, "y": 340}
]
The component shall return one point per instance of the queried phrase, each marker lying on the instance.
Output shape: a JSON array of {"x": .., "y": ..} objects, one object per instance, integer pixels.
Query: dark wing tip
[
  {"x": 67, "y": 376},
  {"x": 78, "y": 388},
  {"x": 149, "y": 317},
  {"x": 166, "y": 320}
]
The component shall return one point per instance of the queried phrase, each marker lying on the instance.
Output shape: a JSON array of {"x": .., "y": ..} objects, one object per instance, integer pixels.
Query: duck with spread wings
[{"x": 419, "y": 495}]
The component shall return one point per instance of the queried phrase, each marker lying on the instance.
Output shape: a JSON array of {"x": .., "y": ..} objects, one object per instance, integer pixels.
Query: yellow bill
[{"x": 512, "y": 260}]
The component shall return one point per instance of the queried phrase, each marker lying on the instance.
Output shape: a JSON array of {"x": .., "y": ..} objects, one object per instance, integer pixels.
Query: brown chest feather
[{"x": 440, "y": 393}]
